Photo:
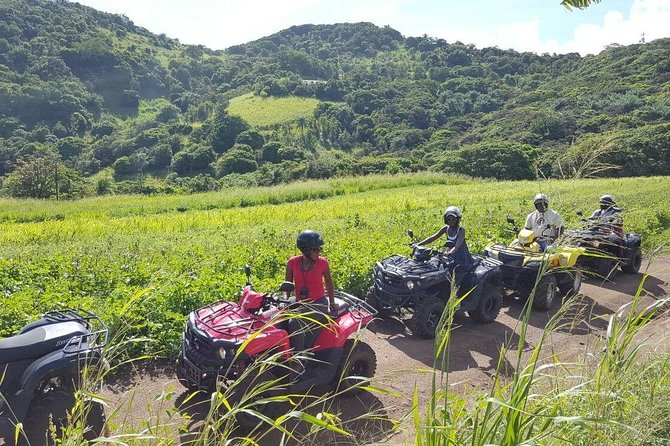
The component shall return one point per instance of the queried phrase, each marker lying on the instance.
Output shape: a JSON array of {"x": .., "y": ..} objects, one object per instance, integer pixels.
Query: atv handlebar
[{"x": 420, "y": 252}]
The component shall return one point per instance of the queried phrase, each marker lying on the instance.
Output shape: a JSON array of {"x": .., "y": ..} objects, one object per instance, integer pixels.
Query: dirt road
[{"x": 405, "y": 361}]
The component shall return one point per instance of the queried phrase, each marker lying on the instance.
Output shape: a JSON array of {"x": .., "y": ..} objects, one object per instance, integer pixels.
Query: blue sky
[{"x": 525, "y": 25}]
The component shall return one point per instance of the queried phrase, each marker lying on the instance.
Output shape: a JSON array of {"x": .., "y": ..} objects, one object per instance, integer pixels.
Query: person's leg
[{"x": 318, "y": 313}]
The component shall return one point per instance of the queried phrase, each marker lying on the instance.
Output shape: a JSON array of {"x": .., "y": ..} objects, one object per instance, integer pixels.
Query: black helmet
[{"x": 308, "y": 239}]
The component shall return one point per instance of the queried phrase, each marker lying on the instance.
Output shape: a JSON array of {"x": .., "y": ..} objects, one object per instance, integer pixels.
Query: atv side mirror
[
  {"x": 410, "y": 233},
  {"x": 579, "y": 213},
  {"x": 286, "y": 287}
]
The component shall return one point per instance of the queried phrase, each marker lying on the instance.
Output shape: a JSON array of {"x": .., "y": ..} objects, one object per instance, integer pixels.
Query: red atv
[{"x": 223, "y": 340}]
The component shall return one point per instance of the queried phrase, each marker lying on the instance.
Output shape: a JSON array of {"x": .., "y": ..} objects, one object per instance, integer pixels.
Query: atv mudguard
[
  {"x": 58, "y": 364},
  {"x": 335, "y": 335},
  {"x": 13, "y": 404},
  {"x": 38, "y": 371},
  {"x": 486, "y": 272},
  {"x": 269, "y": 338},
  {"x": 632, "y": 240}
]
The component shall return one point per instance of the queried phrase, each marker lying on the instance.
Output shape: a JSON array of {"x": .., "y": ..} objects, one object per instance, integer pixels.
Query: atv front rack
[
  {"x": 96, "y": 339},
  {"x": 243, "y": 323}
]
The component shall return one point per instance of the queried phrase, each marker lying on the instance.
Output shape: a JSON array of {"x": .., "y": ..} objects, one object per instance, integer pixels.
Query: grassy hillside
[
  {"x": 309, "y": 102},
  {"x": 268, "y": 111},
  {"x": 186, "y": 251}
]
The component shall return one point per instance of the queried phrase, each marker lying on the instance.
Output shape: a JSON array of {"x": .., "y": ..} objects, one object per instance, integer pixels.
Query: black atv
[
  {"x": 606, "y": 247},
  {"x": 40, "y": 371},
  {"x": 422, "y": 283}
]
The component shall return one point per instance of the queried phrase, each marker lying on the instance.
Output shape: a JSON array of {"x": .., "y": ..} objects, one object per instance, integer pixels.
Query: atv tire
[
  {"x": 52, "y": 408},
  {"x": 605, "y": 267},
  {"x": 372, "y": 299},
  {"x": 245, "y": 394},
  {"x": 489, "y": 305},
  {"x": 358, "y": 359},
  {"x": 545, "y": 293},
  {"x": 571, "y": 283},
  {"x": 634, "y": 266},
  {"x": 427, "y": 314}
]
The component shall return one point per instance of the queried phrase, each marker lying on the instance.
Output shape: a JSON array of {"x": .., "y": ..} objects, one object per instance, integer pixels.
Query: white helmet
[
  {"x": 541, "y": 198},
  {"x": 454, "y": 211},
  {"x": 607, "y": 200}
]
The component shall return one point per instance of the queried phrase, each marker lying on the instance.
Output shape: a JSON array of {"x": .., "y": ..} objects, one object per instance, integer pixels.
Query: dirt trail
[{"x": 405, "y": 360}]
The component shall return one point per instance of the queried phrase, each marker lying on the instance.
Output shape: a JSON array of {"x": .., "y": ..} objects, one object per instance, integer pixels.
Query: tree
[
  {"x": 251, "y": 138},
  {"x": 239, "y": 159},
  {"x": 43, "y": 177},
  {"x": 225, "y": 130},
  {"x": 580, "y": 4}
]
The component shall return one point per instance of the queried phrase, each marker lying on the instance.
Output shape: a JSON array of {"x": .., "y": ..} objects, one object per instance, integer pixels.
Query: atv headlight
[
  {"x": 410, "y": 285},
  {"x": 223, "y": 353}
]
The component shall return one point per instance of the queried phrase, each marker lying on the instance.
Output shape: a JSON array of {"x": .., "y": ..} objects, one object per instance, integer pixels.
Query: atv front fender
[
  {"x": 487, "y": 277},
  {"x": 58, "y": 364}
]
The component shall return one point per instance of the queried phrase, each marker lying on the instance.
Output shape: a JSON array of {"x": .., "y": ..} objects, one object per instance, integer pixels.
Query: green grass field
[
  {"x": 188, "y": 250},
  {"x": 265, "y": 112},
  {"x": 143, "y": 263}
]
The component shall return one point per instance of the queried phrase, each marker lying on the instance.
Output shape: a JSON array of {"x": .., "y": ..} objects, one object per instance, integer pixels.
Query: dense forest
[{"x": 92, "y": 104}]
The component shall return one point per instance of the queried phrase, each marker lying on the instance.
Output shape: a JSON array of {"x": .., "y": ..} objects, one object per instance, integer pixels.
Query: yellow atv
[{"x": 523, "y": 261}]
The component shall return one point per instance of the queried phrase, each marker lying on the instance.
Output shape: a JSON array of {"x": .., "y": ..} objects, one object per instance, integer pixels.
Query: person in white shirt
[{"x": 546, "y": 223}]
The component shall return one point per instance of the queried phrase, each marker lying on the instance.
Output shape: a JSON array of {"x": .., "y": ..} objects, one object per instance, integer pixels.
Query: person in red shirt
[{"x": 314, "y": 289}]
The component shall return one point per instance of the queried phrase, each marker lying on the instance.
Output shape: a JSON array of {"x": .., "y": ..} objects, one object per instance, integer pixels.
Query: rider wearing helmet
[
  {"x": 546, "y": 223},
  {"x": 313, "y": 288},
  {"x": 609, "y": 214},
  {"x": 458, "y": 248},
  {"x": 608, "y": 208}
]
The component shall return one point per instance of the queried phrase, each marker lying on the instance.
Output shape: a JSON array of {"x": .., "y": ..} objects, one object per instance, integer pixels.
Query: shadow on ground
[
  {"x": 472, "y": 343},
  {"x": 362, "y": 416}
]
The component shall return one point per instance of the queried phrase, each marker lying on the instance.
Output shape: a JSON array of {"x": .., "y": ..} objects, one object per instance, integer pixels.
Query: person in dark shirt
[{"x": 455, "y": 235}]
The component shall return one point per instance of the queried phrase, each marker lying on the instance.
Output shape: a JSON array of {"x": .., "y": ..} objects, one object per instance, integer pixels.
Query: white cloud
[
  {"x": 222, "y": 23},
  {"x": 651, "y": 17}
]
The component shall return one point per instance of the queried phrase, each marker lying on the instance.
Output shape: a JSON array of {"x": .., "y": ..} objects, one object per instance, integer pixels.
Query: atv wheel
[
  {"x": 571, "y": 283},
  {"x": 605, "y": 267},
  {"x": 545, "y": 293},
  {"x": 427, "y": 314},
  {"x": 634, "y": 266},
  {"x": 489, "y": 305},
  {"x": 52, "y": 408},
  {"x": 246, "y": 396},
  {"x": 359, "y": 360},
  {"x": 373, "y": 300}
]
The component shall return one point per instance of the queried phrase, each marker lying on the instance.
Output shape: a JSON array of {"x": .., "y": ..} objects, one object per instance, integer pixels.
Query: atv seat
[
  {"x": 39, "y": 341},
  {"x": 342, "y": 307},
  {"x": 511, "y": 259}
]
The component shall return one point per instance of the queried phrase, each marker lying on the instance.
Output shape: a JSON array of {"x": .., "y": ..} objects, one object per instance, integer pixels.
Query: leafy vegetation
[
  {"x": 145, "y": 262},
  {"x": 185, "y": 251},
  {"x": 130, "y": 111}
]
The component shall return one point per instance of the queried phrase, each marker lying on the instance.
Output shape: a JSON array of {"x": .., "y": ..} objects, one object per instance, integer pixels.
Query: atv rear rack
[
  {"x": 357, "y": 307},
  {"x": 94, "y": 340}
]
